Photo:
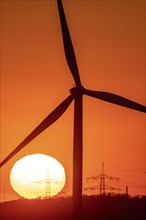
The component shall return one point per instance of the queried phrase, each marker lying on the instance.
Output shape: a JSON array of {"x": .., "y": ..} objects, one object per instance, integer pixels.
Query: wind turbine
[{"x": 77, "y": 93}]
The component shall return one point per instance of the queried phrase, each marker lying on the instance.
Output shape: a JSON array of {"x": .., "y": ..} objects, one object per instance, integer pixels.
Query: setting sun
[{"x": 37, "y": 176}]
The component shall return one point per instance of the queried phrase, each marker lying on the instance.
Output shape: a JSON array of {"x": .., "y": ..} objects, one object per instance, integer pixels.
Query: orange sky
[{"x": 109, "y": 42}]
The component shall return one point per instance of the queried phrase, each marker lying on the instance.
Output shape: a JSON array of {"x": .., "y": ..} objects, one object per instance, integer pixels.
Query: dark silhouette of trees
[{"x": 106, "y": 207}]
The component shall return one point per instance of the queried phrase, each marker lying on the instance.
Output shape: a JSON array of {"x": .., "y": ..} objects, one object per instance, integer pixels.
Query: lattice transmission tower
[
  {"x": 102, "y": 180},
  {"x": 48, "y": 184},
  {"x": 102, "y": 186}
]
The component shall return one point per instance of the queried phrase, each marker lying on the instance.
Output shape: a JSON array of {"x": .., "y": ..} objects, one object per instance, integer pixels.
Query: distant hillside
[{"x": 94, "y": 208}]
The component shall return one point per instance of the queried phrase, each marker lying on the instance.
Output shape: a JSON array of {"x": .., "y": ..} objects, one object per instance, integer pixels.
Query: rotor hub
[{"x": 77, "y": 90}]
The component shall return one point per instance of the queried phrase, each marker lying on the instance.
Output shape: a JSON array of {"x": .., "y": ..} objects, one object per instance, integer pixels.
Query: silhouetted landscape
[{"x": 108, "y": 207}]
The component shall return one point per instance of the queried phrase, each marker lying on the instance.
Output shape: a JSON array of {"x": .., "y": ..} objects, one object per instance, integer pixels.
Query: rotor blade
[
  {"x": 68, "y": 47},
  {"x": 116, "y": 99},
  {"x": 50, "y": 119}
]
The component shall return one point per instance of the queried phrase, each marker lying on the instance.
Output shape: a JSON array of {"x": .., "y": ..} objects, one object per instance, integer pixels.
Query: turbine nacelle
[{"x": 77, "y": 90}]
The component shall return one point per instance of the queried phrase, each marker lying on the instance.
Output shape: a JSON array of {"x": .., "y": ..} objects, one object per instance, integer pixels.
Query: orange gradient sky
[{"x": 109, "y": 43}]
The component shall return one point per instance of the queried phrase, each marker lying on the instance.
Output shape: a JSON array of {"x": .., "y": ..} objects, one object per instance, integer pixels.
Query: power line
[{"x": 128, "y": 170}]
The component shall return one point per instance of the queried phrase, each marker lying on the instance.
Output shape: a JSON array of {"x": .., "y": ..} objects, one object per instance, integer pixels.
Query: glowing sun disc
[{"x": 37, "y": 176}]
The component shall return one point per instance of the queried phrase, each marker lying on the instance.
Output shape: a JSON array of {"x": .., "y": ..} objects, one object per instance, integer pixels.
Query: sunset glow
[{"x": 36, "y": 176}]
